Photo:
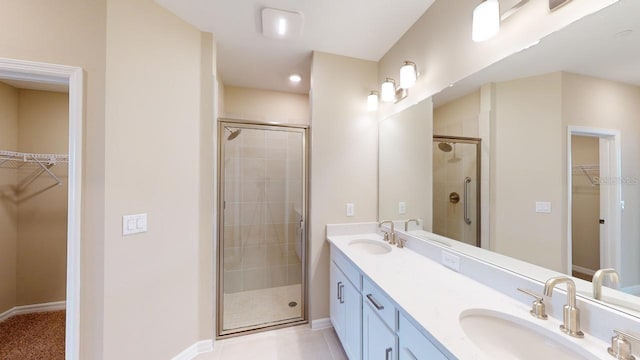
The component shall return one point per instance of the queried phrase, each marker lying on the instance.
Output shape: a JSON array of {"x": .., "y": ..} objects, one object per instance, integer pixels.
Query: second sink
[
  {"x": 370, "y": 246},
  {"x": 503, "y": 336}
]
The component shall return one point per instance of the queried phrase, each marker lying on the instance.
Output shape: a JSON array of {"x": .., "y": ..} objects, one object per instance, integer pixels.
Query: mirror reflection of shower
[
  {"x": 232, "y": 133},
  {"x": 456, "y": 190}
]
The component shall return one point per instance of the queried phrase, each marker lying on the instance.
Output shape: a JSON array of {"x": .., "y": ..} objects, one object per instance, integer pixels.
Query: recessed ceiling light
[
  {"x": 281, "y": 24},
  {"x": 295, "y": 78}
]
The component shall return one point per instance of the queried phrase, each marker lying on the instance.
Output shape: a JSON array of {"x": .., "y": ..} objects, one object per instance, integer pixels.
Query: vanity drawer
[
  {"x": 413, "y": 345},
  {"x": 349, "y": 270},
  {"x": 379, "y": 302}
]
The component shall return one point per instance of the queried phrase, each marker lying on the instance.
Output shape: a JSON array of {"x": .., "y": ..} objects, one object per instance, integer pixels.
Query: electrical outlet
[
  {"x": 402, "y": 208},
  {"x": 451, "y": 261},
  {"x": 350, "y": 209},
  {"x": 543, "y": 207}
]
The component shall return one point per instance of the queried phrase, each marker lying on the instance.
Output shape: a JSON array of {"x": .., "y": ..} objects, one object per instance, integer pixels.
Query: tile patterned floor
[{"x": 294, "y": 343}]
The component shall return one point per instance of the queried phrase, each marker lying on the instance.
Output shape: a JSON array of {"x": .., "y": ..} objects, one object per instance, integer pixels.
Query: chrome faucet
[
  {"x": 597, "y": 281},
  {"x": 406, "y": 224},
  {"x": 391, "y": 236},
  {"x": 570, "y": 313}
]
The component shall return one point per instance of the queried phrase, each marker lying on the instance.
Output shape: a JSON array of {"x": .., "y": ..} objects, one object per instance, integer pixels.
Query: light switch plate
[
  {"x": 134, "y": 224},
  {"x": 451, "y": 261}
]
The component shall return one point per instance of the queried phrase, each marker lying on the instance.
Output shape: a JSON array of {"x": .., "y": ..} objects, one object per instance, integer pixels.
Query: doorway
[
  {"x": 262, "y": 236},
  {"x": 64, "y": 168},
  {"x": 456, "y": 188},
  {"x": 594, "y": 194}
]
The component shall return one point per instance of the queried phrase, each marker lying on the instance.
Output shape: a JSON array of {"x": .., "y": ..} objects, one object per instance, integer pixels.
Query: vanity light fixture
[
  {"x": 388, "y": 90},
  {"x": 372, "y": 101},
  {"x": 486, "y": 20},
  {"x": 408, "y": 74}
]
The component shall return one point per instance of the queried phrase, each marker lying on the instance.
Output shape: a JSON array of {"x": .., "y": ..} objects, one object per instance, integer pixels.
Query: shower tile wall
[{"x": 263, "y": 191}]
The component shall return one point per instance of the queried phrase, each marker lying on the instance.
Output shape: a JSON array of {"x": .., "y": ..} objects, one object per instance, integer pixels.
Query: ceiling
[
  {"x": 364, "y": 29},
  {"x": 605, "y": 45}
]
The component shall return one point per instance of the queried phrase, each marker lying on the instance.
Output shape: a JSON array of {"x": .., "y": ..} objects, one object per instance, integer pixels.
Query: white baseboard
[
  {"x": 633, "y": 290},
  {"x": 321, "y": 324},
  {"x": 583, "y": 270},
  {"x": 35, "y": 308},
  {"x": 194, "y": 350}
]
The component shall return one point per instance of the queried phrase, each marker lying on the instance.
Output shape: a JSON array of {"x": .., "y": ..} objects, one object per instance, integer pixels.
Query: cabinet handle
[
  {"x": 374, "y": 302},
  {"x": 341, "y": 293},
  {"x": 338, "y": 289},
  {"x": 387, "y": 353}
]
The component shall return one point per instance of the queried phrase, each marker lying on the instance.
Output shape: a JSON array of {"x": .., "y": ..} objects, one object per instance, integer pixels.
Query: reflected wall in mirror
[{"x": 560, "y": 131}]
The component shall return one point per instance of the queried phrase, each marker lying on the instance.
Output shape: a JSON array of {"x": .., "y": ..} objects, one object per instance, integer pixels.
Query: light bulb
[
  {"x": 388, "y": 90},
  {"x": 486, "y": 20},
  {"x": 408, "y": 74},
  {"x": 372, "y": 101}
]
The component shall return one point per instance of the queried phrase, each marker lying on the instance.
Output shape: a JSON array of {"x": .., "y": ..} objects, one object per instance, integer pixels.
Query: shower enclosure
[
  {"x": 456, "y": 188},
  {"x": 261, "y": 233}
]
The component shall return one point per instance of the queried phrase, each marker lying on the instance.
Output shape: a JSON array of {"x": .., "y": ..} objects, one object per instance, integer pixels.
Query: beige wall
[
  {"x": 598, "y": 103},
  {"x": 266, "y": 105},
  {"x": 585, "y": 203},
  {"x": 42, "y": 209},
  {"x": 74, "y": 36},
  {"x": 528, "y": 168},
  {"x": 405, "y": 143},
  {"x": 344, "y": 159},
  {"x": 155, "y": 115},
  {"x": 458, "y": 117},
  {"x": 8, "y": 206},
  {"x": 441, "y": 46}
]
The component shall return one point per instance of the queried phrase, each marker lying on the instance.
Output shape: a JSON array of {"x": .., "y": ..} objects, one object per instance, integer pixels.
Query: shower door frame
[
  {"x": 478, "y": 143},
  {"x": 220, "y": 333}
]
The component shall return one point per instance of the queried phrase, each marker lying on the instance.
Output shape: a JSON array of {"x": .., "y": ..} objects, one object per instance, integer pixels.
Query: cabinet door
[
  {"x": 415, "y": 346},
  {"x": 378, "y": 341},
  {"x": 336, "y": 304},
  {"x": 352, "y": 301}
]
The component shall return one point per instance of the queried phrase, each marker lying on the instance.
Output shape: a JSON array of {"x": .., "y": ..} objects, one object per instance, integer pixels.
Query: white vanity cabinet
[
  {"x": 378, "y": 341},
  {"x": 346, "y": 307},
  {"x": 413, "y": 345},
  {"x": 367, "y": 322}
]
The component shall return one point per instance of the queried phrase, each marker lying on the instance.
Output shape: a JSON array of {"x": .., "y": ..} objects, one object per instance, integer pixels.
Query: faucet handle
[
  {"x": 620, "y": 345},
  {"x": 538, "y": 308},
  {"x": 385, "y": 236}
]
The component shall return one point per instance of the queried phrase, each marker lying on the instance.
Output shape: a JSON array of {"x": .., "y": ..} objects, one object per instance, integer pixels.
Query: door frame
[
  {"x": 610, "y": 200},
  {"x": 219, "y": 256},
  {"x": 72, "y": 76}
]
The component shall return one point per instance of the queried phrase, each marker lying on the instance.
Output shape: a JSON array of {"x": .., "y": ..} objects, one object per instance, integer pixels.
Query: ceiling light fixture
[
  {"x": 281, "y": 24},
  {"x": 372, "y": 101},
  {"x": 295, "y": 78},
  {"x": 486, "y": 20},
  {"x": 408, "y": 74}
]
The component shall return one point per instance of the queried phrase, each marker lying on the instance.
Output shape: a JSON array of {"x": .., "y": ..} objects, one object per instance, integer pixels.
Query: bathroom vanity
[{"x": 425, "y": 301}]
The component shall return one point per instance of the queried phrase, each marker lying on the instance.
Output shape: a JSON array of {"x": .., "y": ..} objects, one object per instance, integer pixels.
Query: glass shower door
[
  {"x": 262, "y": 247},
  {"x": 456, "y": 188}
]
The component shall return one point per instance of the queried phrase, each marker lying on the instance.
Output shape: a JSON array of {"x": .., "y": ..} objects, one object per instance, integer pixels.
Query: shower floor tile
[{"x": 264, "y": 306}]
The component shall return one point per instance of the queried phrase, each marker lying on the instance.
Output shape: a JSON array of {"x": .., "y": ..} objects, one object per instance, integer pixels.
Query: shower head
[
  {"x": 233, "y": 133},
  {"x": 444, "y": 147}
]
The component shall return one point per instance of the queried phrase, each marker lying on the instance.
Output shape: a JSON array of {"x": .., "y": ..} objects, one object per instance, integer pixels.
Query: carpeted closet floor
[{"x": 36, "y": 336}]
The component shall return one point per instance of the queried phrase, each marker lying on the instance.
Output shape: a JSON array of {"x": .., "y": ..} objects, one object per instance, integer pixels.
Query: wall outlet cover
[
  {"x": 350, "y": 207},
  {"x": 451, "y": 261}
]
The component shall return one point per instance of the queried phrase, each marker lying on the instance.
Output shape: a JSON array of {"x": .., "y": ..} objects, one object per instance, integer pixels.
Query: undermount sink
[
  {"x": 369, "y": 246},
  {"x": 502, "y": 336}
]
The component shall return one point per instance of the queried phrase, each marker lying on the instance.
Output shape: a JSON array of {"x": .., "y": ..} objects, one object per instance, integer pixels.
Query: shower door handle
[{"x": 467, "y": 180}]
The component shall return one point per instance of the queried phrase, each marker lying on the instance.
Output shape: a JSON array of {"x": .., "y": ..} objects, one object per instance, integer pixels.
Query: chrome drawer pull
[{"x": 374, "y": 302}]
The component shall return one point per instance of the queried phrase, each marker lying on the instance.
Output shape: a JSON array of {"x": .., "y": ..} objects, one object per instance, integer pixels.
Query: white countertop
[{"x": 434, "y": 296}]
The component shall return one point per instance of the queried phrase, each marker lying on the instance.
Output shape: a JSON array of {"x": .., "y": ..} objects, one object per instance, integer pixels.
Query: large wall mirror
[{"x": 535, "y": 158}]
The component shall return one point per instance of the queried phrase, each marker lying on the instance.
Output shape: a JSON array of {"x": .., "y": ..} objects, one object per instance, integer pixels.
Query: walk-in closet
[{"x": 34, "y": 121}]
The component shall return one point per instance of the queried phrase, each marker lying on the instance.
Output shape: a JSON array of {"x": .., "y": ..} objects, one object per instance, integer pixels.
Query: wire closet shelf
[{"x": 39, "y": 164}]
